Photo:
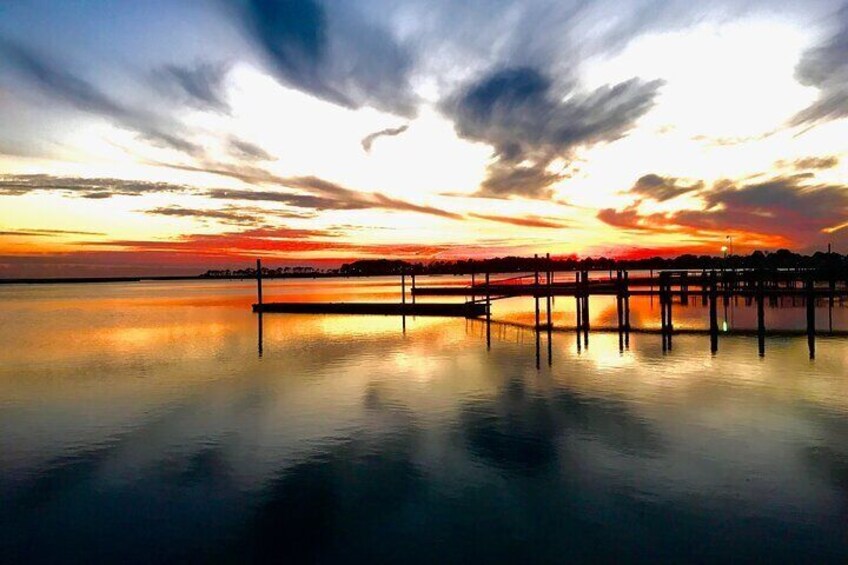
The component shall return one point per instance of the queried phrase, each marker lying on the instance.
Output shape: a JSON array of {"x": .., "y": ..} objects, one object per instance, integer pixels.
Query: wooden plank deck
[{"x": 461, "y": 309}]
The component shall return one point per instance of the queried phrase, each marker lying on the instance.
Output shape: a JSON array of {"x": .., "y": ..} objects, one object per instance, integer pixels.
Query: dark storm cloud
[
  {"x": 825, "y": 67},
  {"x": 662, "y": 188},
  {"x": 200, "y": 85},
  {"x": 242, "y": 149},
  {"x": 332, "y": 52},
  {"x": 526, "y": 118},
  {"x": 50, "y": 78},
  {"x": 369, "y": 139}
]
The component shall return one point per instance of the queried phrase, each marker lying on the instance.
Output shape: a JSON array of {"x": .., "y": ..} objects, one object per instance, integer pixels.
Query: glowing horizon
[{"x": 172, "y": 137}]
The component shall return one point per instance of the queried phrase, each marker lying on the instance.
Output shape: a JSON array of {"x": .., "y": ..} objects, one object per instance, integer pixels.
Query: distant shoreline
[{"x": 99, "y": 280}]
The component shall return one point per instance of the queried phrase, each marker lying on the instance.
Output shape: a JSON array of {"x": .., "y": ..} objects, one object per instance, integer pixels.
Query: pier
[
  {"x": 468, "y": 309},
  {"x": 670, "y": 287},
  {"x": 804, "y": 287}
]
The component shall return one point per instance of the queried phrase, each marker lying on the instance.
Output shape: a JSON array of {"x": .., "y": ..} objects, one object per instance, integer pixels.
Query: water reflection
[{"x": 156, "y": 432}]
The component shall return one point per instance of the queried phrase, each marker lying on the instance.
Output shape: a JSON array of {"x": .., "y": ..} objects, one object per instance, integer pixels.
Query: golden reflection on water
[{"x": 155, "y": 371}]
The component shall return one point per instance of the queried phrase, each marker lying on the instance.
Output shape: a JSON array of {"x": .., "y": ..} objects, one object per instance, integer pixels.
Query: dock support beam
[
  {"x": 488, "y": 314},
  {"x": 536, "y": 288},
  {"x": 626, "y": 310},
  {"x": 585, "y": 309},
  {"x": 259, "y": 281},
  {"x": 811, "y": 316},
  {"x": 578, "y": 313},
  {"x": 713, "y": 313},
  {"x": 548, "y": 308},
  {"x": 761, "y": 318}
]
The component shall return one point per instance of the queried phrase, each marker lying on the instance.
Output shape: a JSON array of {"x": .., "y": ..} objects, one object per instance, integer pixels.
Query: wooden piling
[
  {"x": 626, "y": 309},
  {"x": 488, "y": 314},
  {"x": 536, "y": 288},
  {"x": 669, "y": 317},
  {"x": 713, "y": 313},
  {"x": 548, "y": 290},
  {"x": 578, "y": 303},
  {"x": 413, "y": 287},
  {"x": 619, "y": 308},
  {"x": 831, "y": 296},
  {"x": 403, "y": 287},
  {"x": 259, "y": 281},
  {"x": 811, "y": 316},
  {"x": 761, "y": 320},
  {"x": 585, "y": 309}
]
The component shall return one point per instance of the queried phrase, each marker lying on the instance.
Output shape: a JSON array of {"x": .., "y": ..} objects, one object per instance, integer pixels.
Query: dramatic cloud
[
  {"x": 200, "y": 85},
  {"x": 332, "y": 52},
  {"x": 47, "y": 233},
  {"x": 368, "y": 140},
  {"x": 826, "y": 67},
  {"x": 781, "y": 211},
  {"x": 289, "y": 198},
  {"x": 84, "y": 96},
  {"x": 320, "y": 194},
  {"x": 811, "y": 163},
  {"x": 662, "y": 188},
  {"x": 523, "y": 221},
  {"x": 323, "y": 194},
  {"x": 245, "y": 150},
  {"x": 94, "y": 188},
  {"x": 530, "y": 122},
  {"x": 236, "y": 215}
]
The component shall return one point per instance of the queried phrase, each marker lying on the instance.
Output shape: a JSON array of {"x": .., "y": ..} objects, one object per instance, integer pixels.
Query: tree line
[{"x": 781, "y": 259}]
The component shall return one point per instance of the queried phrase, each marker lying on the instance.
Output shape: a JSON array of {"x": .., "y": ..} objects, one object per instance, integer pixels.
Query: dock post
[
  {"x": 403, "y": 287},
  {"x": 413, "y": 287},
  {"x": 663, "y": 322},
  {"x": 619, "y": 308},
  {"x": 669, "y": 303},
  {"x": 761, "y": 320},
  {"x": 713, "y": 314},
  {"x": 259, "y": 283},
  {"x": 586, "y": 293},
  {"x": 811, "y": 316},
  {"x": 578, "y": 314},
  {"x": 473, "y": 282},
  {"x": 548, "y": 289},
  {"x": 536, "y": 288},
  {"x": 832, "y": 285},
  {"x": 626, "y": 309},
  {"x": 488, "y": 314},
  {"x": 548, "y": 300}
]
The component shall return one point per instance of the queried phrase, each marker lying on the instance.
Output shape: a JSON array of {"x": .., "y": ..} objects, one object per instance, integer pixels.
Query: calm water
[{"x": 139, "y": 423}]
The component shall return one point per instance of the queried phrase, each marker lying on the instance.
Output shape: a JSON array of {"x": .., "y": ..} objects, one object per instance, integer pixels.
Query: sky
[{"x": 173, "y": 136}]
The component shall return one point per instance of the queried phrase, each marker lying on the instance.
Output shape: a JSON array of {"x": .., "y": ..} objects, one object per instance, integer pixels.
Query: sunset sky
[{"x": 172, "y": 136}]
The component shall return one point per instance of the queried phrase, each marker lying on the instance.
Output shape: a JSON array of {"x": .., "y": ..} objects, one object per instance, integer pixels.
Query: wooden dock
[
  {"x": 457, "y": 309},
  {"x": 670, "y": 286},
  {"x": 810, "y": 286},
  {"x": 467, "y": 309}
]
